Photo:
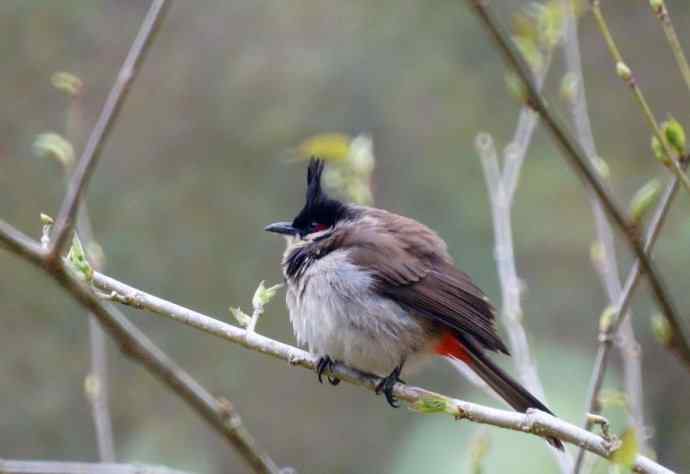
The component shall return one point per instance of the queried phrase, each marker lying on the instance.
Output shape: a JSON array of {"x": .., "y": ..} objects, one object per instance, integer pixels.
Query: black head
[{"x": 320, "y": 212}]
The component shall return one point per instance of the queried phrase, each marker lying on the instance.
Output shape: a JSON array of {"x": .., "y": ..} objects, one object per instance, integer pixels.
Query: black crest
[{"x": 319, "y": 209}]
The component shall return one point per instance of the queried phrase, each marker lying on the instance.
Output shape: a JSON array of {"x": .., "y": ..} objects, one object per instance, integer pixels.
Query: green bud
[
  {"x": 263, "y": 295},
  {"x": 659, "y": 152},
  {"x": 242, "y": 318},
  {"x": 76, "y": 257},
  {"x": 644, "y": 200},
  {"x": 626, "y": 453},
  {"x": 54, "y": 146},
  {"x": 607, "y": 318},
  {"x": 658, "y": 6},
  {"x": 674, "y": 135},
  {"x": 661, "y": 329},
  {"x": 428, "y": 405},
  {"x": 67, "y": 83},
  {"x": 46, "y": 219},
  {"x": 569, "y": 88},
  {"x": 623, "y": 71},
  {"x": 597, "y": 253}
]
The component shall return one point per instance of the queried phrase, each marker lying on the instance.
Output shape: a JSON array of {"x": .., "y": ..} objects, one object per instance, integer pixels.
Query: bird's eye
[{"x": 318, "y": 227}]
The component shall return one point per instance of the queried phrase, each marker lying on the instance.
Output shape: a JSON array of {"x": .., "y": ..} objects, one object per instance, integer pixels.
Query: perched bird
[{"x": 379, "y": 292}]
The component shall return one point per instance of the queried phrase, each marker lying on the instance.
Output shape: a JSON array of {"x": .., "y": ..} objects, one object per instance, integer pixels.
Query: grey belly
[{"x": 334, "y": 312}]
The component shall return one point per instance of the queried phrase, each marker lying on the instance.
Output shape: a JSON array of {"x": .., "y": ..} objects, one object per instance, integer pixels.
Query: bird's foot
[
  {"x": 326, "y": 364},
  {"x": 386, "y": 385}
]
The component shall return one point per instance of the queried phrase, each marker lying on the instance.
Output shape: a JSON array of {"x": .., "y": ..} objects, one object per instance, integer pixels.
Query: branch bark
[
  {"x": 534, "y": 422},
  {"x": 12, "y": 466}
]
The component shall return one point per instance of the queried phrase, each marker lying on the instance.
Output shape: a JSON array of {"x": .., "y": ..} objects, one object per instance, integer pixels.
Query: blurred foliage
[{"x": 200, "y": 161}]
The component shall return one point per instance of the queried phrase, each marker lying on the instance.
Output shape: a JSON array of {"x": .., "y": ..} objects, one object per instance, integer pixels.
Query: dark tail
[{"x": 508, "y": 388}]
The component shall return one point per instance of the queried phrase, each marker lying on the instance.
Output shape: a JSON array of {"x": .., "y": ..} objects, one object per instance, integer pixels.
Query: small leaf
[
  {"x": 329, "y": 146},
  {"x": 242, "y": 318},
  {"x": 627, "y": 452},
  {"x": 661, "y": 329},
  {"x": 674, "y": 135},
  {"x": 67, "y": 82},
  {"x": 77, "y": 258},
  {"x": 46, "y": 219},
  {"x": 644, "y": 200},
  {"x": 263, "y": 295},
  {"x": 428, "y": 405},
  {"x": 659, "y": 152},
  {"x": 54, "y": 146}
]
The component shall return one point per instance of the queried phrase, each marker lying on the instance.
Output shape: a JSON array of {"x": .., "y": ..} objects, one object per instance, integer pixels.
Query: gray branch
[
  {"x": 11, "y": 466},
  {"x": 534, "y": 422}
]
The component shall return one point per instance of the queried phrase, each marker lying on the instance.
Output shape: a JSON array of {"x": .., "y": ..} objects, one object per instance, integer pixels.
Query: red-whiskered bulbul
[{"x": 378, "y": 291}]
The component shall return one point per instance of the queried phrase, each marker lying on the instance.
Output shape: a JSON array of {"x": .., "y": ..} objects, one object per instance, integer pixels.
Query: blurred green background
[{"x": 199, "y": 162}]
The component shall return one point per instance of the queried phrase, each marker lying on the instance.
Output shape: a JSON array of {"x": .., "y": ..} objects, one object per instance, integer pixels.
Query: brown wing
[{"x": 412, "y": 266}]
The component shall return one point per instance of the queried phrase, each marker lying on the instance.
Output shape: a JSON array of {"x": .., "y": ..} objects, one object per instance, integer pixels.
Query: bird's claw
[
  {"x": 324, "y": 364},
  {"x": 386, "y": 385}
]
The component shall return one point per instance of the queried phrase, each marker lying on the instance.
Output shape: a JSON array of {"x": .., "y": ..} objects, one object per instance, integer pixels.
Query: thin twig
[
  {"x": 576, "y": 157},
  {"x": 66, "y": 218},
  {"x": 535, "y": 422},
  {"x": 661, "y": 12},
  {"x": 621, "y": 307},
  {"x": 501, "y": 187},
  {"x": 96, "y": 381},
  {"x": 135, "y": 344},
  {"x": 626, "y": 74},
  {"x": 13, "y": 466},
  {"x": 608, "y": 267}
]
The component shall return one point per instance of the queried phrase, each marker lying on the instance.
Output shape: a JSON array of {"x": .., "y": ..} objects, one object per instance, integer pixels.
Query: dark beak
[{"x": 281, "y": 228}]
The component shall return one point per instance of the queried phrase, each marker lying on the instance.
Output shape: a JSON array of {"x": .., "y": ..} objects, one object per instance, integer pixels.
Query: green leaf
[
  {"x": 76, "y": 257},
  {"x": 54, "y": 146},
  {"x": 644, "y": 200},
  {"x": 242, "y": 318},
  {"x": 674, "y": 135},
  {"x": 627, "y": 452},
  {"x": 428, "y": 405},
  {"x": 661, "y": 329},
  {"x": 263, "y": 295}
]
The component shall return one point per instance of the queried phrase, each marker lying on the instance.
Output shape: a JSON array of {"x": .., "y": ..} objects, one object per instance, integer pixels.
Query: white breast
[{"x": 334, "y": 312}]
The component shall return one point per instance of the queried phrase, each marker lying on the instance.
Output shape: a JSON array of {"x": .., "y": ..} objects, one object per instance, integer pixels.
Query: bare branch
[
  {"x": 501, "y": 185},
  {"x": 576, "y": 157},
  {"x": 11, "y": 466},
  {"x": 19, "y": 243},
  {"x": 606, "y": 338},
  {"x": 65, "y": 221},
  {"x": 534, "y": 422},
  {"x": 608, "y": 266}
]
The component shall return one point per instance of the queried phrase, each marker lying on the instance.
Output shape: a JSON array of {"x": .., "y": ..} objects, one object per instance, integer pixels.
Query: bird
[{"x": 380, "y": 292}]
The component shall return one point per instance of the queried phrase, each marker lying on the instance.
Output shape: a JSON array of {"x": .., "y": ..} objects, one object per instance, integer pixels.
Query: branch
[
  {"x": 576, "y": 157},
  {"x": 65, "y": 221},
  {"x": 621, "y": 308},
  {"x": 534, "y": 422},
  {"x": 661, "y": 12},
  {"x": 11, "y": 466},
  {"x": 607, "y": 267},
  {"x": 501, "y": 186}
]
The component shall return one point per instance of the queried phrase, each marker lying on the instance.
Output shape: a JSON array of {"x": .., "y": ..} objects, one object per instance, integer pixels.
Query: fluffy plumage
[{"x": 379, "y": 292}]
